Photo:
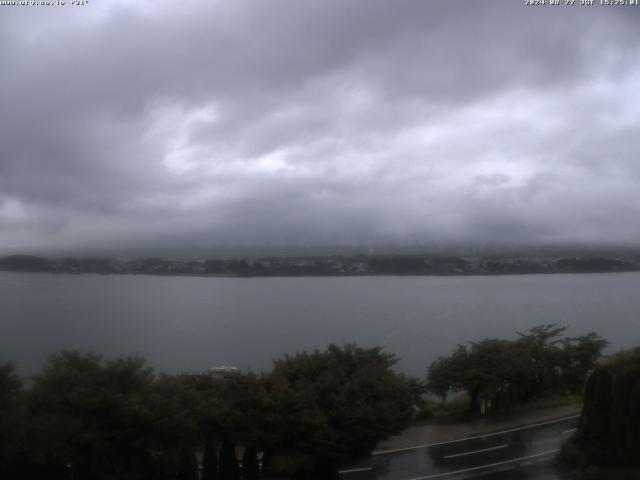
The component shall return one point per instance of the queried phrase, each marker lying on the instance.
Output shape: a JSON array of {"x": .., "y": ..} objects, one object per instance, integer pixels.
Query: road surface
[{"x": 513, "y": 453}]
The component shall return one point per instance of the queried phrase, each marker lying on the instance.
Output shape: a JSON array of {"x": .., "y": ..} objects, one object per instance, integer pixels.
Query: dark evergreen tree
[{"x": 609, "y": 430}]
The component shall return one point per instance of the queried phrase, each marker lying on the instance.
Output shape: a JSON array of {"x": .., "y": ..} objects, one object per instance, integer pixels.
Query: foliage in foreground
[
  {"x": 342, "y": 401},
  {"x": 574, "y": 461},
  {"x": 507, "y": 372},
  {"x": 90, "y": 418},
  {"x": 608, "y": 437}
]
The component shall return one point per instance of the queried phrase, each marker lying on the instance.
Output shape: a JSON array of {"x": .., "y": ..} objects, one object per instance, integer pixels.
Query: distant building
[{"x": 223, "y": 371}]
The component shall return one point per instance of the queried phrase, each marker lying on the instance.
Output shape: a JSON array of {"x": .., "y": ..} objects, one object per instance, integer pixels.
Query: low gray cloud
[{"x": 318, "y": 123}]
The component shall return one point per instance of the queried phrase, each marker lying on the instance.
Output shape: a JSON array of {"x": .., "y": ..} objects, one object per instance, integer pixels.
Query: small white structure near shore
[{"x": 223, "y": 371}]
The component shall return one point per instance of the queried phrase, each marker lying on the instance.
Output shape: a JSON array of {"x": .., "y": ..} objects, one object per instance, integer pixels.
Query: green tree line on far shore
[
  {"x": 333, "y": 265},
  {"x": 84, "y": 417}
]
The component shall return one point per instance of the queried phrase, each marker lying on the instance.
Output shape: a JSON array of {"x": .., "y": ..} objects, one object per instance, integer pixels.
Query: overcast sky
[{"x": 332, "y": 122}]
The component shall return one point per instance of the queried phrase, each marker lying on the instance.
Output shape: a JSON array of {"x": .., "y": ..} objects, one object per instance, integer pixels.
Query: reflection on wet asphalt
[{"x": 517, "y": 453}]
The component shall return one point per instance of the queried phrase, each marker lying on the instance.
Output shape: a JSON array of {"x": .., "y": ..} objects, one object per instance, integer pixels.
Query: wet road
[{"x": 513, "y": 453}]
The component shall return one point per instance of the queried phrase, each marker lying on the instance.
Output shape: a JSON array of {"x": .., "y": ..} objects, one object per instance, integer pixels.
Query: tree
[
  {"x": 91, "y": 416},
  {"x": 508, "y": 371},
  {"x": 580, "y": 355},
  {"x": 231, "y": 408},
  {"x": 483, "y": 370},
  {"x": 328, "y": 407},
  {"x": 542, "y": 347},
  {"x": 607, "y": 440},
  {"x": 442, "y": 375},
  {"x": 177, "y": 408}
]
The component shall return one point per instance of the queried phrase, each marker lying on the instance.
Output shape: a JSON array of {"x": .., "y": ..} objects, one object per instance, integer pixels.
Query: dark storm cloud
[{"x": 329, "y": 122}]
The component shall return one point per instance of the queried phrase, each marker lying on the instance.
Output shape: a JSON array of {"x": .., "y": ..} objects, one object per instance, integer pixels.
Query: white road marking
[
  {"x": 354, "y": 470},
  {"x": 481, "y": 467},
  {"x": 564, "y": 432},
  {"x": 476, "y": 451},
  {"x": 465, "y": 439}
]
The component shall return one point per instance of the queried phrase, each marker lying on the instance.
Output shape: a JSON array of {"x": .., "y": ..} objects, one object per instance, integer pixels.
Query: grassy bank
[{"x": 457, "y": 408}]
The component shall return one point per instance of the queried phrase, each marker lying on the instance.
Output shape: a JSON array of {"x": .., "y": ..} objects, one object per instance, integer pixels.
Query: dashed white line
[
  {"x": 427, "y": 445},
  {"x": 354, "y": 470},
  {"x": 476, "y": 451},
  {"x": 490, "y": 465},
  {"x": 564, "y": 432}
]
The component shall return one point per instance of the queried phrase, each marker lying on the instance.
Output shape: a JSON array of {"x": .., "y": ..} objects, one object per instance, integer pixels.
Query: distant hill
[
  {"x": 336, "y": 265},
  {"x": 25, "y": 263}
]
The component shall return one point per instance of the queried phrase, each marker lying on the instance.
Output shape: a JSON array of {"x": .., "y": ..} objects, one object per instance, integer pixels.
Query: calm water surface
[{"x": 189, "y": 324}]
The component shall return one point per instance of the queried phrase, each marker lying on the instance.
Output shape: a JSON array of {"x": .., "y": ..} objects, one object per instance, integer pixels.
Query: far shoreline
[
  {"x": 363, "y": 275},
  {"x": 328, "y": 266}
]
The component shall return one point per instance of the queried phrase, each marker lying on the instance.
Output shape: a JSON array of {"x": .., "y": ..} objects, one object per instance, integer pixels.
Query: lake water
[{"x": 185, "y": 324}]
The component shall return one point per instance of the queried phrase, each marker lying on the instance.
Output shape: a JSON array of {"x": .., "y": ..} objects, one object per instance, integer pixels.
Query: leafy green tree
[
  {"x": 507, "y": 371},
  {"x": 442, "y": 375},
  {"x": 91, "y": 416},
  {"x": 542, "y": 346},
  {"x": 580, "y": 355},
  {"x": 231, "y": 408},
  {"x": 328, "y": 407},
  {"x": 483, "y": 370},
  {"x": 176, "y": 408}
]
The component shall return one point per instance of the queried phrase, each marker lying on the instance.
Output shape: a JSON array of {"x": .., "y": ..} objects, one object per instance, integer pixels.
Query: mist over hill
[{"x": 225, "y": 124}]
